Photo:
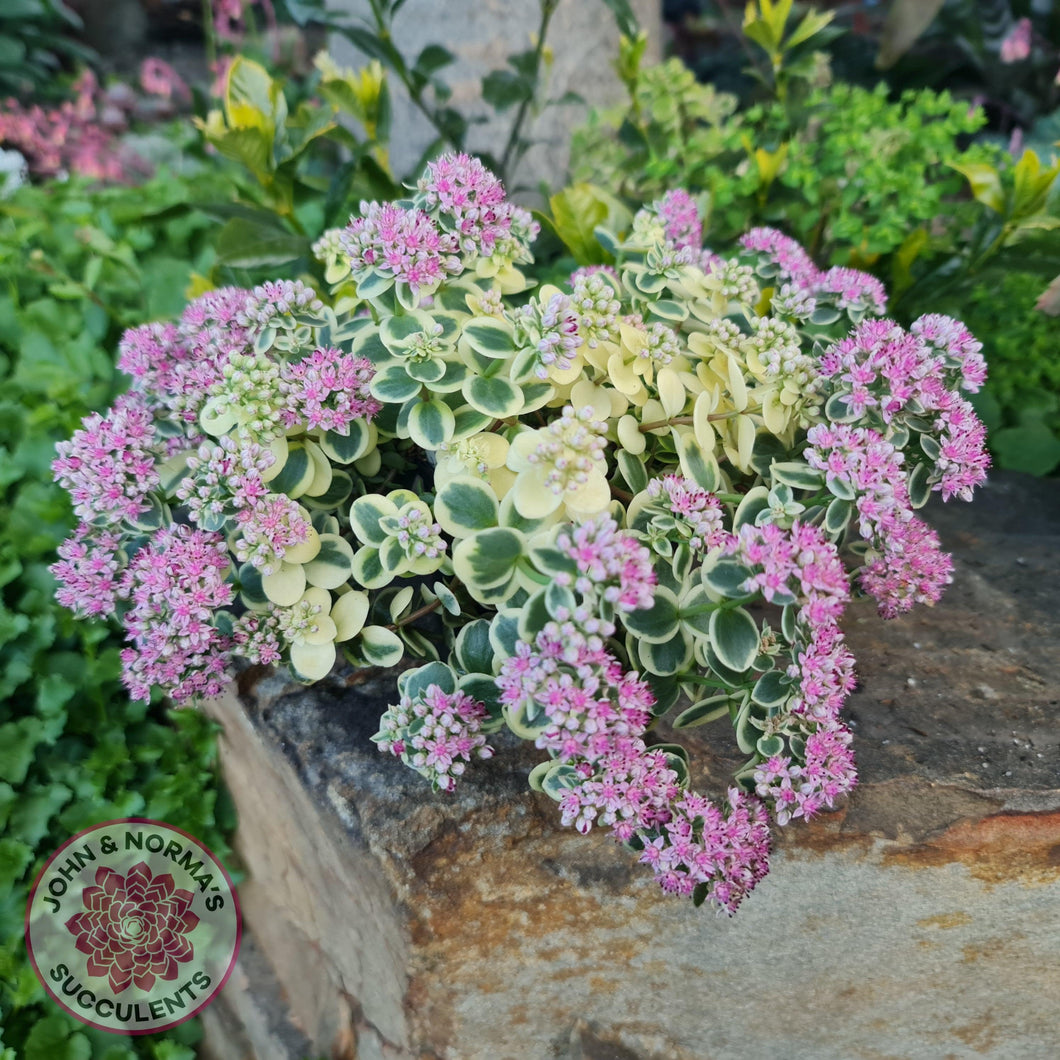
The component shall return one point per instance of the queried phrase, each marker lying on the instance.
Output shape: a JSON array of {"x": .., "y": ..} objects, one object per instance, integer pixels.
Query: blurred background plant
[
  {"x": 37, "y": 41},
  {"x": 77, "y": 265},
  {"x": 907, "y": 184}
]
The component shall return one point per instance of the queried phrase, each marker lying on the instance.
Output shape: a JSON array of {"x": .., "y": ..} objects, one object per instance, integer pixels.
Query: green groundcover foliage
[{"x": 77, "y": 266}]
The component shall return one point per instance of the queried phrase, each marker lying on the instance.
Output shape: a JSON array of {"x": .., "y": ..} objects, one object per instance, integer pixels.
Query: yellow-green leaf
[{"x": 985, "y": 183}]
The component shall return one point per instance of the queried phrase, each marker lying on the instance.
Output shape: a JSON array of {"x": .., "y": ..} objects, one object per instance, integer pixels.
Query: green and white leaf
[
  {"x": 703, "y": 712},
  {"x": 381, "y": 646},
  {"x": 466, "y": 505},
  {"x": 658, "y": 623},
  {"x": 489, "y": 557},
  {"x": 350, "y": 614},
  {"x": 365, "y": 515},
  {"x": 735, "y": 638}
]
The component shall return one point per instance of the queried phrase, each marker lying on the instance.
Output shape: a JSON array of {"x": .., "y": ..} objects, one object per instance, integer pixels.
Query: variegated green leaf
[
  {"x": 431, "y": 424},
  {"x": 381, "y": 646},
  {"x": 489, "y": 557},
  {"x": 735, "y": 638},
  {"x": 365, "y": 515},
  {"x": 466, "y": 505},
  {"x": 658, "y": 623},
  {"x": 333, "y": 564},
  {"x": 490, "y": 336},
  {"x": 494, "y": 396}
]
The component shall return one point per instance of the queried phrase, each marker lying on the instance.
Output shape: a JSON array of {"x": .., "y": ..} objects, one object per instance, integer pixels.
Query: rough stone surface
[
  {"x": 482, "y": 34},
  {"x": 920, "y": 921}
]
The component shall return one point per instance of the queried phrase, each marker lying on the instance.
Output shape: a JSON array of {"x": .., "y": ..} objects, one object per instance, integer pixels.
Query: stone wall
[
  {"x": 922, "y": 920},
  {"x": 482, "y": 33}
]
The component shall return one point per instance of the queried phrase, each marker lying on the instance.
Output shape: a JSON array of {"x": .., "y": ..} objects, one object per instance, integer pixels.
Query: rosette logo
[{"x": 133, "y": 926}]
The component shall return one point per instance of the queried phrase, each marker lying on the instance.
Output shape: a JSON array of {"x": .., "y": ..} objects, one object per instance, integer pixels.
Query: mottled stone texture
[
  {"x": 921, "y": 920},
  {"x": 482, "y": 34}
]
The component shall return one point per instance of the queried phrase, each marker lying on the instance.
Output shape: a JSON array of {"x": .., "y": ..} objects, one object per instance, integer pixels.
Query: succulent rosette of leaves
[{"x": 582, "y": 507}]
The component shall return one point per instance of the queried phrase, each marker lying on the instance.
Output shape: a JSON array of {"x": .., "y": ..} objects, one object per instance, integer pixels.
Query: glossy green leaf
[
  {"x": 488, "y": 558},
  {"x": 798, "y": 474},
  {"x": 393, "y": 385},
  {"x": 669, "y": 657},
  {"x": 413, "y": 683},
  {"x": 658, "y": 623},
  {"x": 366, "y": 513},
  {"x": 703, "y": 712},
  {"x": 771, "y": 689},
  {"x": 381, "y": 646},
  {"x": 490, "y": 336},
  {"x": 473, "y": 651},
  {"x": 333, "y": 564},
  {"x": 431, "y": 424},
  {"x": 735, "y": 638},
  {"x": 494, "y": 396},
  {"x": 465, "y": 505}
]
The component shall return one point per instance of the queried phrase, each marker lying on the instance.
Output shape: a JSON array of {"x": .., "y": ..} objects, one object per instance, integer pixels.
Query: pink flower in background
[
  {"x": 158, "y": 78},
  {"x": 219, "y": 68},
  {"x": 678, "y": 211},
  {"x": 1017, "y": 45}
]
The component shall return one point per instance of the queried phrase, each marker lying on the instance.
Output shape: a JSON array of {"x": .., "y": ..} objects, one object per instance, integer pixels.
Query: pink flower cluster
[
  {"x": 69, "y": 137},
  {"x": 113, "y": 469},
  {"x": 802, "y": 566},
  {"x": 158, "y": 78},
  {"x": 1017, "y": 45},
  {"x": 436, "y": 733},
  {"x": 224, "y": 483},
  {"x": 859, "y": 462},
  {"x": 609, "y": 564},
  {"x": 108, "y": 466},
  {"x": 597, "y": 714},
  {"x": 701, "y": 846},
  {"x": 824, "y": 669},
  {"x": 910, "y": 567},
  {"x": 402, "y": 243},
  {"x": 258, "y": 637},
  {"x": 174, "y": 366},
  {"x": 88, "y": 571},
  {"x": 959, "y": 349},
  {"x": 679, "y": 213},
  {"x": 469, "y": 201},
  {"x": 569, "y": 674},
  {"x": 886, "y": 374},
  {"x": 268, "y": 529},
  {"x": 223, "y": 479},
  {"x": 328, "y": 390},
  {"x": 81, "y": 135},
  {"x": 802, "y": 284},
  {"x": 174, "y": 585},
  {"x": 699, "y": 513},
  {"x": 852, "y": 289},
  {"x": 795, "y": 265},
  {"x": 797, "y": 565},
  {"x": 803, "y": 790}
]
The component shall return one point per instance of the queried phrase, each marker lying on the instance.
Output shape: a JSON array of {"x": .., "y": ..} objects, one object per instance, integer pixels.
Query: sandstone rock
[{"x": 921, "y": 920}]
